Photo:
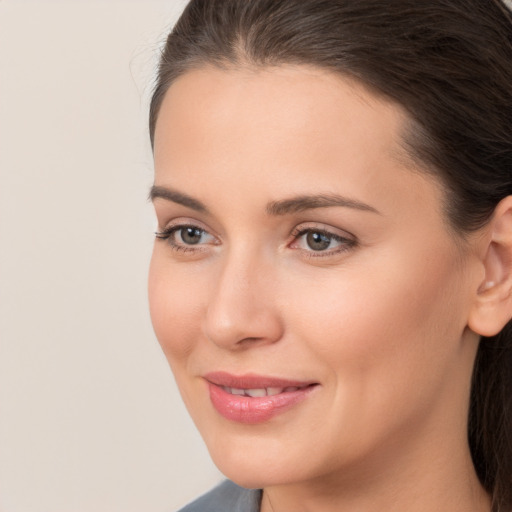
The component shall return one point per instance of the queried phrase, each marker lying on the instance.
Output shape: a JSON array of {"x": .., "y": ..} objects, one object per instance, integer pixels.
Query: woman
[{"x": 331, "y": 280}]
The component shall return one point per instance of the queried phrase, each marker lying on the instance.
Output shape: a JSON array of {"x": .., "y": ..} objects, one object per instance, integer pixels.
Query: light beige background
[{"x": 90, "y": 420}]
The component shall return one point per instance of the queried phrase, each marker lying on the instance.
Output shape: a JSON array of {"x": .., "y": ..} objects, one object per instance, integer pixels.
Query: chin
[
  {"x": 252, "y": 477},
  {"x": 258, "y": 468}
]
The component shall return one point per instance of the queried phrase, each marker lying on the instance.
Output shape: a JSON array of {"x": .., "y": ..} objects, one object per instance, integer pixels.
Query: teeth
[
  {"x": 255, "y": 393},
  {"x": 259, "y": 392}
]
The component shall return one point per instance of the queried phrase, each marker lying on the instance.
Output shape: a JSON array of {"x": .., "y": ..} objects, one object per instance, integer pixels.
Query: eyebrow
[
  {"x": 176, "y": 197},
  {"x": 311, "y": 202},
  {"x": 274, "y": 208}
]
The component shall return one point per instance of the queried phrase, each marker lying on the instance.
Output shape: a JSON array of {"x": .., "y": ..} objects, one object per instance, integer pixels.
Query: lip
[{"x": 253, "y": 410}]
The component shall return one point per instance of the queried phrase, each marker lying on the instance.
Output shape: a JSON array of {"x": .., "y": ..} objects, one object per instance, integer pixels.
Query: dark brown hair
[{"x": 448, "y": 63}]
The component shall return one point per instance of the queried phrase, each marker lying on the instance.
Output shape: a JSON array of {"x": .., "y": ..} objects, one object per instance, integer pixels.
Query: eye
[
  {"x": 321, "y": 242},
  {"x": 185, "y": 237},
  {"x": 189, "y": 235},
  {"x": 318, "y": 241}
]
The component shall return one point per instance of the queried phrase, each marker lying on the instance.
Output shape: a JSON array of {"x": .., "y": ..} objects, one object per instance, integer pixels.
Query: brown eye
[
  {"x": 318, "y": 241},
  {"x": 190, "y": 235},
  {"x": 321, "y": 242},
  {"x": 184, "y": 237}
]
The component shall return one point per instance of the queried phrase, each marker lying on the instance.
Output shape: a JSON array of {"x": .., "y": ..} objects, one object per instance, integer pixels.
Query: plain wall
[{"x": 90, "y": 419}]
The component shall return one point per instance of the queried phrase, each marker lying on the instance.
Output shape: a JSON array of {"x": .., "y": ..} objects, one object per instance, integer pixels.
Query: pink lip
[{"x": 252, "y": 410}]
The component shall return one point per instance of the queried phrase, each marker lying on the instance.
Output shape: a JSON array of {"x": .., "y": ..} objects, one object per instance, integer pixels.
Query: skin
[{"x": 380, "y": 320}]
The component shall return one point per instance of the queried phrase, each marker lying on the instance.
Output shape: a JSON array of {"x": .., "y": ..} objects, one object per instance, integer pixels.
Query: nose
[{"x": 242, "y": 310}]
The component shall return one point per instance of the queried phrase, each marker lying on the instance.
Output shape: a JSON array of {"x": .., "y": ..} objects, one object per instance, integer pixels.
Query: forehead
[
  {"x": 279, "y": 131},
  {"x": 284, "y": 102}
]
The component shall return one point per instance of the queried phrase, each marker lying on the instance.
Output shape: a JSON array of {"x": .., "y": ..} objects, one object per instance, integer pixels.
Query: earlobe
[{"x": 492, "y": 307}]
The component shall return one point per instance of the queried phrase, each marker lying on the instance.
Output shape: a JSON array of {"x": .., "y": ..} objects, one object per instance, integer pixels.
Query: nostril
[
  {"x": 250, "y": 340},
  {"x": 253, "y": 341}
]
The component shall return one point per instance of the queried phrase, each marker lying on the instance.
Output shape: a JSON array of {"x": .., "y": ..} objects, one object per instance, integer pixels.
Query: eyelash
[
  {"x": 167, "y": 234},
  {"x": 345, "y": 243}
]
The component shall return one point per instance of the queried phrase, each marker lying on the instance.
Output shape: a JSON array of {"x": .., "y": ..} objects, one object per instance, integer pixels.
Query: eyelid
[
  {"x": 324, "y": 228},
  {"x": 184, "y": 222}
]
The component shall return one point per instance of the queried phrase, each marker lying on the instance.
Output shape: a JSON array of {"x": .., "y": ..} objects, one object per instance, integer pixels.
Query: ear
[{"x": 492, "y": 307}]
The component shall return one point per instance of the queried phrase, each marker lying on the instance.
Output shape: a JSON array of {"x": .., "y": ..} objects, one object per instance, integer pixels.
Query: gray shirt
[{"x": 227, "y": 497}]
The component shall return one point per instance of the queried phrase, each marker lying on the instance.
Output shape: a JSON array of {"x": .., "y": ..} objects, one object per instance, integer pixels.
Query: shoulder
[{"x": 226, "y": 497}]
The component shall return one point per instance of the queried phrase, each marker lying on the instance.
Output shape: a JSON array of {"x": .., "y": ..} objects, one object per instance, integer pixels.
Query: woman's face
[{"x": 305, "y": 287}]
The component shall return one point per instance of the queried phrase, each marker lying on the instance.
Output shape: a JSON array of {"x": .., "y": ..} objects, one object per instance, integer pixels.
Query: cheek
[
  {"x": 384, "y": 325},
  {"x": 175, "y": 307}
]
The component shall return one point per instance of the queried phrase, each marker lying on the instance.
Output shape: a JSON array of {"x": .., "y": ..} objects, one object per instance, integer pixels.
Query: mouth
[
  {"x": 260, "y": 392},
  {"x": 252, "y": 399}
]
